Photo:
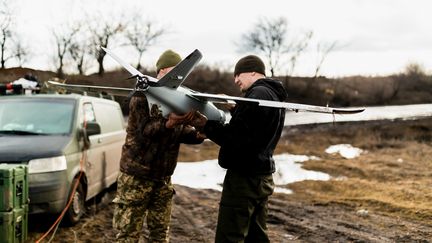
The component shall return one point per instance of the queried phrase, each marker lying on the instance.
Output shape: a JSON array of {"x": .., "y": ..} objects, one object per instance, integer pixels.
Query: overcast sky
[{"x": 375, "y": 37}]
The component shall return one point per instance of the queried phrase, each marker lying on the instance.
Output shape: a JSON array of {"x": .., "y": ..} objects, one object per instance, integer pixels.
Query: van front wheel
[{"x": 76, "y": 209}]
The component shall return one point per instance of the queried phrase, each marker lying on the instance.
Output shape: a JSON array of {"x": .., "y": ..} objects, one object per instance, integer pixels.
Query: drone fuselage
[{"x": 180, "y": 101}]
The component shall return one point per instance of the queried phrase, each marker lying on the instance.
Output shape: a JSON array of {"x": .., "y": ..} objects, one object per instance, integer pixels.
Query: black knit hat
[{"x": 249, "y": 63}]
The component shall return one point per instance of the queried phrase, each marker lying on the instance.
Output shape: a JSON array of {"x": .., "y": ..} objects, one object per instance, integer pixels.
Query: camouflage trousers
[{"x": 137, "y": 198}]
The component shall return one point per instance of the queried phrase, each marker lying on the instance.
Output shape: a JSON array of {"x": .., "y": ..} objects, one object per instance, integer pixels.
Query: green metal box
[
  {"x": 14, "y": 190},
  {"x": 13, "y": 225}
]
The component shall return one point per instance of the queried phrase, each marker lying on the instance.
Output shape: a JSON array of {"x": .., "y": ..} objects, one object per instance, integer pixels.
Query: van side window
[
  {"x": 89, "y": 115},
  {"x": 109, "y": 116}
]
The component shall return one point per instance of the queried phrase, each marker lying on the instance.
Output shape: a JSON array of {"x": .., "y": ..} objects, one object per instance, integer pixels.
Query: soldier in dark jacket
[
  {"x": 246, "y": 151},
  {"x": 149, "y": 157}
]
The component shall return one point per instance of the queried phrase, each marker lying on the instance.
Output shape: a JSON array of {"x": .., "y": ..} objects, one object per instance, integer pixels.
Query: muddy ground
[{"x": 384, "y": 195}]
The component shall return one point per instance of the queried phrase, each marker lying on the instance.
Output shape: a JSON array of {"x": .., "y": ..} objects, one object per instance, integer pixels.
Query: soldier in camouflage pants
[
  {"x": 149, "y": 157},
  {"x": 136, "y": 196}
]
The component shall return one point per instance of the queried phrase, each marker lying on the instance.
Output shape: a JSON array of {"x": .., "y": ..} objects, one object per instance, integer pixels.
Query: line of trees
[
  {"x": 82, "y": 40},
  {"x": 78, "y": 44}
]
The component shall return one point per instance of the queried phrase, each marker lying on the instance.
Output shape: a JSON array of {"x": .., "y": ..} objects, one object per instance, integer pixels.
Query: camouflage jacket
[{"x": 151, "y": 149}]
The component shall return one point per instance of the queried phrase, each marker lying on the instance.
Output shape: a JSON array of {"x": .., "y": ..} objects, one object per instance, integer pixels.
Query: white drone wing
[{"x": 268, "y": 103}]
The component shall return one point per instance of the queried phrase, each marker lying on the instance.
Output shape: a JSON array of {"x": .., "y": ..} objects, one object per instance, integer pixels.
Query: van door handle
[{"x": 99, "y": 140}]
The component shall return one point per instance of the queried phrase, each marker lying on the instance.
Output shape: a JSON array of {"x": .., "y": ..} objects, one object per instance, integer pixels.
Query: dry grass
[
  {"x": 392, "y": 176},
  {"x": 192, "y": 153}
]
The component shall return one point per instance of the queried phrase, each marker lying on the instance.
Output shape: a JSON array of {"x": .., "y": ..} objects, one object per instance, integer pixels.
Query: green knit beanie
[
  {"x": 168, "y": 59},
  {"x": 249, "y": 63}
]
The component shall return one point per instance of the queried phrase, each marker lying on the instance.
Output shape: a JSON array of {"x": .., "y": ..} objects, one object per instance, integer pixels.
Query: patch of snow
[
  {"x": 345, "y": 150},
  {"x": 206, "y": 174},
  {"x": 288, "y": 170},
  {"x": 209, "y": 175},
  {"x": 282, "y": 190}
]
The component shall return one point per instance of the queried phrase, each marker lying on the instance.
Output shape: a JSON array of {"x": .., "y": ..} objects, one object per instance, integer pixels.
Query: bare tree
[
  {"x": 415, "y": 78},
  {"x": 415, "y": 70},
  {"x": 295, "y": 50},
  {"x": 323, "y": 49},
  {"x": 21, "y": 52},
  {"x": 63, "y": 40},
  {"x": 141, "y": 35},
  {"x": 102, "y": 32},
  {"x": 5, "y": 32},
  {"x": 269, "y": 37},
  {"x": 4, "y": 37},
  {"x": 11, "y": 45},
  {"x": 80, "y": 48},
  {"x": 78, "y": 51}
]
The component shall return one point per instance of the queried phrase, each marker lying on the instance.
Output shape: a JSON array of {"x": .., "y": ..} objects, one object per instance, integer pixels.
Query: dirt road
[{"x": 384, "y": 195}]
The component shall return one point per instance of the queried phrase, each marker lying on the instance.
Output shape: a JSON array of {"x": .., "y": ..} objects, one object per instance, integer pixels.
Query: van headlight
[{"x": 47, "y": 164}]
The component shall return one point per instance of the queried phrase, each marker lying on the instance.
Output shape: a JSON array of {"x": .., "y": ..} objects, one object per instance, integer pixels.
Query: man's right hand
[
  {"x": 174, "y": 119},
  {"x": 193, "y": 118}
]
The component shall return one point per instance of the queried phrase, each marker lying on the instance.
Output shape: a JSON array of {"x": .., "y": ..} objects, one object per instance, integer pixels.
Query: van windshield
[{"x": 36, "y": 116}]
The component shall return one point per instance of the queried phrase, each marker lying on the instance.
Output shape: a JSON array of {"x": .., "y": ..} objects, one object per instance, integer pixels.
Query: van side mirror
[{"x": 92, "y": 128}]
